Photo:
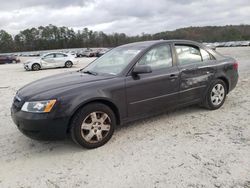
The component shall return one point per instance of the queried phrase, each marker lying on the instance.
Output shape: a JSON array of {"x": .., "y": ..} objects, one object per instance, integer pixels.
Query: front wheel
[
  {"x": 36, "y": 67},
  {"x": 93, "y": 125},
  {"x": 216, "y": 95}
]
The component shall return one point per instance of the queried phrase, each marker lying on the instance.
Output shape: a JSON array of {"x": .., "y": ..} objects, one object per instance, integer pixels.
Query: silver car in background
[{"x": 51, "y": 60}]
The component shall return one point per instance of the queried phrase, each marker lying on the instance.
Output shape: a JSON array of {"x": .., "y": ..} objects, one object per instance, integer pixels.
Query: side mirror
[{"x": 141, "y": 69}]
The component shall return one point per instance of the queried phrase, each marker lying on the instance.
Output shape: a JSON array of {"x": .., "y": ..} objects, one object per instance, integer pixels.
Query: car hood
[{"x": 56, "y": 82}]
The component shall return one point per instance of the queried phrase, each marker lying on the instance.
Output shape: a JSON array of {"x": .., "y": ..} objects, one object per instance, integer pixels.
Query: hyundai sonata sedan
[
  {"x": 129, "y": 82},
  {"x": 51, "y": 60}
]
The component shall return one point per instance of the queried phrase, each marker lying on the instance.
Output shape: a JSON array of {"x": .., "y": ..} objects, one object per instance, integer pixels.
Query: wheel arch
[
  {"x": 221, "y": 77},
  {"x": 68, "y": 61},
  {"x": 35, "y": 64},
  {"x": 224, "y": 79},
  {"x": 106, "y": 102}
]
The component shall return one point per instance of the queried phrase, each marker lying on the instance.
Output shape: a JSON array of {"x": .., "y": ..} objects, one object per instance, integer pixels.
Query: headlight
[{"x": 38, "y": 106}]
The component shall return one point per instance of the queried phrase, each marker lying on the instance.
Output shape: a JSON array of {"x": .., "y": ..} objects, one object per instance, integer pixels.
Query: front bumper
[
  {"x": 26, "y": 67},
  {"x": 233, "y": 80},
  {"x": 40, "y": 126}
]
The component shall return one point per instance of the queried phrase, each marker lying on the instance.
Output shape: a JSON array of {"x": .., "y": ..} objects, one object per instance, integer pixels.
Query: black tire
[
  {"x": 82, "y": 115},
  {"x": 209, "y": 101},
  {"x": 14, "y": 61},
  {"x": 36, "y": 67},
  {"x": 68, "y": 64}
]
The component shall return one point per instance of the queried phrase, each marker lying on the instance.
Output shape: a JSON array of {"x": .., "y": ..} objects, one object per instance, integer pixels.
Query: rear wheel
[
  {"x": 216, "y": 95},
  {"x": 68, "y": 64},
  {"x": 93, "y": 125},
  {"x": 36, "y": 67}
]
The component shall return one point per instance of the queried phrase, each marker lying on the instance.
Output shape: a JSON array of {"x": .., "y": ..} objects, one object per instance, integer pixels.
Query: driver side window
[
  {"x": 49, "y": 56},
  {"x": 157, "y": 58}
]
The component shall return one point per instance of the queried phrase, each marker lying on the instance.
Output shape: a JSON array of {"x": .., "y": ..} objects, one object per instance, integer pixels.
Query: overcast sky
[{"x": 127, "y": 16}]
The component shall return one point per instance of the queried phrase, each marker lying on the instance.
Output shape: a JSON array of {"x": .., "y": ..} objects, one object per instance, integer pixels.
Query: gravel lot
[{"x": 190, "y": 147}]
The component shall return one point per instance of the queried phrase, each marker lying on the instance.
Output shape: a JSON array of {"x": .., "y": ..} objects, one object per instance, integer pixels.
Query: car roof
[
  {"x": 54, "y": 53},
  {"x": 154, "y": 42}
]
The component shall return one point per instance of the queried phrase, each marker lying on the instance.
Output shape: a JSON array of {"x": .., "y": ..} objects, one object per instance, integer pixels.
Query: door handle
[
  {"x": 191, "y": 69},
  {"x": 173, "y": 76}
]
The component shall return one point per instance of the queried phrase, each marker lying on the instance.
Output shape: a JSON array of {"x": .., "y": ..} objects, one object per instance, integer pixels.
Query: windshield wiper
[{"x": 90, "y": 72}]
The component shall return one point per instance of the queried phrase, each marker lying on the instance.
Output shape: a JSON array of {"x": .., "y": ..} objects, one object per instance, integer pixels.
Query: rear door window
[
  {"x": 188, "y": 54},
  {"x": 58, "y": 55}
]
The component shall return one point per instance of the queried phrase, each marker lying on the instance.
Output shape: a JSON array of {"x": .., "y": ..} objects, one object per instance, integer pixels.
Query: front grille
[
  {"x": 17, "y": 103},
  {"x": 15, "y": 108}
]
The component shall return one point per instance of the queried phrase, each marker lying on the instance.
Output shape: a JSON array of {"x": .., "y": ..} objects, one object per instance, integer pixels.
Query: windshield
[{"x": 114, "y": 61}]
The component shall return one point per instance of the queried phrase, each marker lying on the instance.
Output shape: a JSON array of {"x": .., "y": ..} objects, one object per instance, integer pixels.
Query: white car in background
[{"x": 51, "y": 60}]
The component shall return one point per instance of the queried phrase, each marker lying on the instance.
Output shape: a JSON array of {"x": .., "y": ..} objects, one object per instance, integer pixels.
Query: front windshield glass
[{"x": 114, "y": 61}]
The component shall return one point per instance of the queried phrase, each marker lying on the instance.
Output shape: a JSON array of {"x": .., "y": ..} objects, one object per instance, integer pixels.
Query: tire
[
  {"x": 68, "y": 64},
  {"x": 216, "y": 95},
  {"x": 14, "y": 61},
  {"x": 88, "y": 129},
  {"x": 36, "y": 67}
]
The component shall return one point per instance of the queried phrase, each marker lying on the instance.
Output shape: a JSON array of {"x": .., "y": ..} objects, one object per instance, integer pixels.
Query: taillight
[{"x": 235, "y": 65}]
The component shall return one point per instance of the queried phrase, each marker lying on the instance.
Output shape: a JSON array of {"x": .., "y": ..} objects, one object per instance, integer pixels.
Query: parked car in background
[
  {"x": 80, "y": 53},
  {"x": 129, "y": 82},
  {"x": 101, "y": 52},
  {"x": 244, "y": 43},
  {"x": 34, "y": 54},
  {"x": 90, "y": 53},
  {"x": 8, "y": 59},
  {"x": 210, "y": 45},
  {"x": 84, "y": 53},
  {"x": 51, "y": 60}
]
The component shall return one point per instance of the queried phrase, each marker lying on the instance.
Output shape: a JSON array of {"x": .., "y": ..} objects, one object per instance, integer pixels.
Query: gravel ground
[{"x": 190, "y": 147}]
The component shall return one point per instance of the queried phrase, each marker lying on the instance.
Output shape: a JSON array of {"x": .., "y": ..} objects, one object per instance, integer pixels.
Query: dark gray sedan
[{"x": 127, "y": 83}]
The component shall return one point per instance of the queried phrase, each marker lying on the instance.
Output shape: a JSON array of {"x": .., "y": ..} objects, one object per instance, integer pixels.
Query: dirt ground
[{"x": 190, "y": 147}]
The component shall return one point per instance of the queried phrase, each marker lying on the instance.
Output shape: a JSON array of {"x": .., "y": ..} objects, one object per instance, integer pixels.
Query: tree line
[{"x": 53, "y": 37}]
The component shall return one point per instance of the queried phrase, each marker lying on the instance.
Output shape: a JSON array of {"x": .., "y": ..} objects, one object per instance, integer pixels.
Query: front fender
[
  {"x": 35, "y": 62},
  {"x": 92, "y": 99}
]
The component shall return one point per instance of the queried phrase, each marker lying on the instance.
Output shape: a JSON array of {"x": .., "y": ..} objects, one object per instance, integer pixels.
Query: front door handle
[
  {"x": 191, "y": 69},
  {"x": 173, "y": 76}
]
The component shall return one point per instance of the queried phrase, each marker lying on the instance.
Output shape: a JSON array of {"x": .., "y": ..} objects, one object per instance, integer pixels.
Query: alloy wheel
[
  {"x": 217, "y": 94},
  {"x": 36, "y": 67},
  {"x": 95, "y": 127},
  {"x": 68, "y": 64}
]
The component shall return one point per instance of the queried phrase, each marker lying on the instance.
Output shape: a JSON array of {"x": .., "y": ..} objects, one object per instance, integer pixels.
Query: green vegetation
[{"x": 53, "y": 37}]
